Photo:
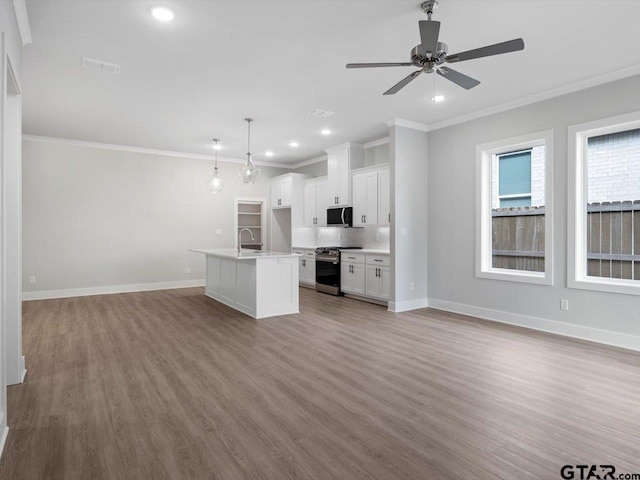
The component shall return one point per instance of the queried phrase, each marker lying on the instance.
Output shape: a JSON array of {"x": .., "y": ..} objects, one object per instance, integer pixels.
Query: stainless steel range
[{"x": 328, "y": 269}]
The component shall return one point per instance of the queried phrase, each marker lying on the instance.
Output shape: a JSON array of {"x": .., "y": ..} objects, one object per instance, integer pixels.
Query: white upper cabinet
[
  {"x": 384, "y": 196},
  {"x": 315, "y": 203},
  {"x": 340, "y": 161},
  {"x": 365, "y": 199},
  {"x": 281, "y": 192},
  {"x": 371, "y": 196}
]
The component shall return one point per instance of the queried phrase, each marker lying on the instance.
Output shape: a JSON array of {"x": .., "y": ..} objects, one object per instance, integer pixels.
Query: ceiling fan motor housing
[{"x": 421, "y": 58}]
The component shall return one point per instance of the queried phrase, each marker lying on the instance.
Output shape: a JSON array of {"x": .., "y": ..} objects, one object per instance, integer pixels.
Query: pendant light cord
[
  {"x": 249, "y": 120},
  {"x": 215, "y": 153}
]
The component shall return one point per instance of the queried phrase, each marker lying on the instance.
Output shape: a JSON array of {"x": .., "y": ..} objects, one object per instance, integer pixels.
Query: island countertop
[{"x": 244, "y": 254}]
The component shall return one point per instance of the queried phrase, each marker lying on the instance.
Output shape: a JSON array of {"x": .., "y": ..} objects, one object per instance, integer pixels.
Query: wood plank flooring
[{"x": 173, "y": 385}]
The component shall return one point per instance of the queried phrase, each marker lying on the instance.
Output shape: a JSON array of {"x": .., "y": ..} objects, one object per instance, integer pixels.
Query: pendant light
[
  {"x": 216, "y": 184},
  {"x": 249, "y": 172}
]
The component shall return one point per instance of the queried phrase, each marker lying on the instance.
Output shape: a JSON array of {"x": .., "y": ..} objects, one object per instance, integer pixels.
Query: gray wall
[
  {"x": 94, "y": 217},
  {"x": 451, "y": 213}
]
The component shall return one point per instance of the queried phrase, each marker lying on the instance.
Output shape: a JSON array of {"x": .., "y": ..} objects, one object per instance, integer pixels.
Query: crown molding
[
  {"x": 311, "y": 161},
  {"x": 539, "y": 97},
  {"x": 343, "y": 146},
  {"x": 377, "y": 143},
  {"x": 401, "y": 122},
  {"x": 22, "y": 19},
  {"x": 149, "y": 151}
]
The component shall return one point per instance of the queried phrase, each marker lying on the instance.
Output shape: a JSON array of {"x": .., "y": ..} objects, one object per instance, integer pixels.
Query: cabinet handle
[
  {"x": 377, "y": 260},
  {"x": 389, "y": 218},
  {"x": 377, "y": 272},
  {"x": 365, "y": 218},
  {"x": 303, "y": 264}
]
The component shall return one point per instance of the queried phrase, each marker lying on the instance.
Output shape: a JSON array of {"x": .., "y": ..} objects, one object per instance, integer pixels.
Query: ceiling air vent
[
  {"x": 100, "y": 65},
  {"x": 318, "y": 112}
]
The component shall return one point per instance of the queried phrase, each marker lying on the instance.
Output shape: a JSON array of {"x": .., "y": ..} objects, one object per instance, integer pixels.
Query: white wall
[
  {"x": 10, "y": 50},
  {"x": 95, "y": 218},
  {"x": 451, "y": 217},
  {"x": 408, "y": 155}
]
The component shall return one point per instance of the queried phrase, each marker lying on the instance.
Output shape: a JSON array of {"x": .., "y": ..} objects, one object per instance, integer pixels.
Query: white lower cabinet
[
  {"x": 378, "y": 282},
  {"x": 307, "y": 266},
  {"x": 352, "y": 279}
]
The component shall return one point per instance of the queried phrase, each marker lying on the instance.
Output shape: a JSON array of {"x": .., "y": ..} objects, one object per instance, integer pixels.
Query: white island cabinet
[{"x": 260, "y": 284}]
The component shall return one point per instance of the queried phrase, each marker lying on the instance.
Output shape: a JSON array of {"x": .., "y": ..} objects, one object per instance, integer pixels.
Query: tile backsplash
[{"x": 365, "y": 237}]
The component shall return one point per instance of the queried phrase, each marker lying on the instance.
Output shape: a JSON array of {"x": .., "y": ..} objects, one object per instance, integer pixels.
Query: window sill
[
  {"x": 520, "y": 276},
  {"x": 606, "y": 285}
]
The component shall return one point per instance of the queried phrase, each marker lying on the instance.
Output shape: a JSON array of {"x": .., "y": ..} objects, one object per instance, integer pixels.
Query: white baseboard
[
  {"x": 3, "y": 439},
  {"x": 106, "y": 290},
  {"x": 407, "y": 305},
  {"x": 607, "y": 337}
]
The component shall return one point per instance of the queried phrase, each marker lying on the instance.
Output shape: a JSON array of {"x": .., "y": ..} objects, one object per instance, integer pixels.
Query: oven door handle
[
  {"x": 342, "y": 216},
  {"x": 327, "y": 260}
]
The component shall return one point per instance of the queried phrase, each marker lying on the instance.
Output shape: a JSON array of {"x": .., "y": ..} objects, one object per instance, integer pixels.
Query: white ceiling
[{"x": 186, "y": 82}]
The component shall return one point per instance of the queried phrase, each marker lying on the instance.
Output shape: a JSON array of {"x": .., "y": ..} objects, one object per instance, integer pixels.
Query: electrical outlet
[
  {"x": 412, "y": 286},
  {"x": 564, "y": 304},
  {"x": 218, "y": 231},
  {"x": 187, "y": 270},
  {"x": 32, "y": 279}
]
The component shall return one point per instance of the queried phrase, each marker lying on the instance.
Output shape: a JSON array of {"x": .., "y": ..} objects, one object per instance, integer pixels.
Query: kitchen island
[{"x": 260, "y": 284}]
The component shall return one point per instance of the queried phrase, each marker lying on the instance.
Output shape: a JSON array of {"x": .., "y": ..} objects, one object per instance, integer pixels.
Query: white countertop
[
  {"x": 371, "y": 251},
  {"x": 244, "y": 255},
  {"x": 367, "y": 250}
]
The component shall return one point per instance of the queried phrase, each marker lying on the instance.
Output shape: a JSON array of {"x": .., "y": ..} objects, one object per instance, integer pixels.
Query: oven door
[{"x": 328, "y": 274}]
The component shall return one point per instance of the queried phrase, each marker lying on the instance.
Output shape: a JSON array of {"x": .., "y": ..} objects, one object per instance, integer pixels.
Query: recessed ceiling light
[
  {"x": 293, "y": 144},
  {"x": 326, "y": 131},
  {"x": 162, "y": 13},
  {"x": 269, "y": 154},
  {"x": 438, "y": 99}
]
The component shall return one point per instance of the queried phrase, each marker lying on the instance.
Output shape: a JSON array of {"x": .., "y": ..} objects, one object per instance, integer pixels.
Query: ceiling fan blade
[
  {"x": 372, "y": 65},
  {"x": 458, "y": 78},
  {"x": 402, "y": 83},
  {"x": 497, "y": 49},
  {"x": 429, "y": 31}
]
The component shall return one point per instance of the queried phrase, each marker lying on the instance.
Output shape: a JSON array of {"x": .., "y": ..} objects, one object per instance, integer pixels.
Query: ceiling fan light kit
[{"x": 431, "y": 54}]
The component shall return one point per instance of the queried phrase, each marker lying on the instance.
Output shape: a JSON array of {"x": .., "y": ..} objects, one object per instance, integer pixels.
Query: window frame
[
  {"x": 577, "y": 192},
  {"x": 484, "y": 244}
]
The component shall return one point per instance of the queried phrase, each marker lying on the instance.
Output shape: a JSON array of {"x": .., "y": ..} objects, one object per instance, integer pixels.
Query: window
[
  {"x": 604, "y": 205},
  {"x": 514, "y": 226},
  {"x": 514, "y": 179}
]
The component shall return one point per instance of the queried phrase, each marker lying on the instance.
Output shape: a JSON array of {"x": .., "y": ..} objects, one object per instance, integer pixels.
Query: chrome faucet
[{"x": 240, "y": 237}]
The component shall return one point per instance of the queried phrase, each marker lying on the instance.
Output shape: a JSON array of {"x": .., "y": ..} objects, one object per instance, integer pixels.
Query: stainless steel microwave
[{"x": 342, "y": 216}]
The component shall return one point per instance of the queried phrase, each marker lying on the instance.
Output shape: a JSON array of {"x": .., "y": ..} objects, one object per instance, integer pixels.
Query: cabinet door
[
  {"x": 286, "y": 187},
  {"x": 321, "y": 204},
  {"x": 358, "y": 279},
  {"x": 371, "y": 205},
  {"x": 344, "y": 180},
  {"x": 339, "y": 179},
  {"x": 385, "y": 282},
  {"x": 332, "y": 179},
  {"x": 276, "y": 188},
  {"x": 373, "y": 281},
  {"x": 345, "y": 277},
  {"x": 359, "y": 199},
  {"x": 310, "y": 192},
  {"x": 310, "y": 270},
  {"x": 384, "y": 197}
]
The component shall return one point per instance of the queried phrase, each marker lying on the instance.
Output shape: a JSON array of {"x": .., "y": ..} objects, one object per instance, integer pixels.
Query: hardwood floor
[{"x": 172, "y": 385}]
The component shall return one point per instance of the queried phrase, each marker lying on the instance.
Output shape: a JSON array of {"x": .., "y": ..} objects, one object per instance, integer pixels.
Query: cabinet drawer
[
  {"x": 378, "y": 260},
  {"x": 352, "y": 257}
]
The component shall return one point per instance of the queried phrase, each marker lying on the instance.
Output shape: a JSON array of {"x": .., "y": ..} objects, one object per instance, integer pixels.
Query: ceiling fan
[{"x": 430, "y": 54}]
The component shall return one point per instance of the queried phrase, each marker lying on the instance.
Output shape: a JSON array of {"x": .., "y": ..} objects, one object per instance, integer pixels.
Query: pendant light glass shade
[
  {"x": 216, "y": 184},
  {"x": 249, "y": 172}
]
